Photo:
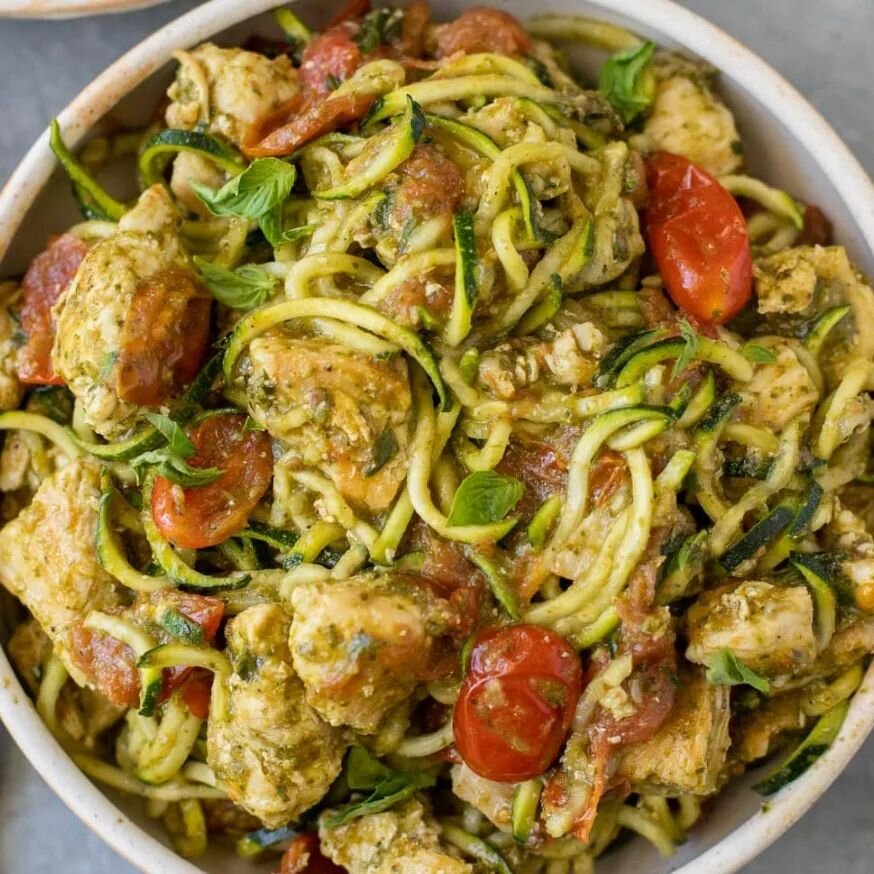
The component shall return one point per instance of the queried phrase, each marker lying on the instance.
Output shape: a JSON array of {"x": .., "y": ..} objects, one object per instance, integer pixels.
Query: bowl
[
  {"x": 787, "y": 141},
  {"x": 69, "y": 8}
]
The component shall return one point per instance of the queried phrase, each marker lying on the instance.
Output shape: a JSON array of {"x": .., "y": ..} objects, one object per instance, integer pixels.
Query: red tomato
[
  {"x": 195, "y": 690},
  {"x": 163, "y": 338},
  {"x": 109, "y": 663},
  {"x": 304, "y": 857},
  {"x": 698, "y": 237},
  {"x": 517, "y": 702},
  {"x": 483, "y": 30},
  {"x": 607, "y": 474},
  {"x": 202, "y": 516},
  {"x": 205, "y": 611},
  {"x": 47, "y": 276},
  {"x": 332, "y": 55}
]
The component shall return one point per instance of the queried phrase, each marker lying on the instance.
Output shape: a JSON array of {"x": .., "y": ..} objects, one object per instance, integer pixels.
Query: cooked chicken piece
[
  {"x": 768, "y": 628},
  {"x": 687, "y": 753},
  {"x": 362, "y": 645},
  {"x": 507, "y": 123},
  {"x": 779, "y": 391},
  {"x": 565, "y": 358},
  {"x": 91, "y": 313},
  {"x": 272, "y": 751},
  {"x": 405, "y": 839},
  {"x": 190, "y": 167},
  {"x": 83, "y": 713},
  {"x": 229, "y": 90},
  {"x": 494, "y": 800},
  {"x": 48, "y": 560},
  {"x": 804, "y": 281},
  {"x": 11, "y": 390},
  {"x": 851, "y": 642},
  {"x": 336, "y": 409},
  {"x": 859, "y": 497},
  {"x": 688, "y": 118},
  {"x": 847, "y": 535},
  {"x": 757, "y": 733}
]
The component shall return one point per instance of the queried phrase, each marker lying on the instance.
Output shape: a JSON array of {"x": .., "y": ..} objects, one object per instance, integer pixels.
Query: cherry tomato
[
  {"x": 517, "y": 702},
  {"x": 202, "y": 516},
  {"x": 483, "y": 30},
  {"x": 46, "y": 278},
  {"x": 109, "y": 663},
  {"x": 333, "y": 56},
  {"x": 698, "y": 237},
  {"x": 163, "y": 338},
  {"x": 305, "y": 857}
]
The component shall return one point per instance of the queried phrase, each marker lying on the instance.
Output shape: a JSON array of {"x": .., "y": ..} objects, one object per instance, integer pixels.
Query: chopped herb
[
  {"x": 245, "y": 288},
  {"x": 383, "y": 451},
  {"x": 170, "y": 461},
  {"x": 758, "y": 354},
  {"x": 379, "y": 27},
  {"x": 106, "y": 365},
  {"x": 623, "y": 83},
  {"x": 690, "y": 350},
  {"x": 726, "y": 669},
  {"x": 179, "y": 625}
]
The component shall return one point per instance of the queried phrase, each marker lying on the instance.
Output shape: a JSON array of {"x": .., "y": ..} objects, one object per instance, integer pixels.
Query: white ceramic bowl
[
  {"x": 69, "y": 8},
  {"x": 787, "y": 142}
]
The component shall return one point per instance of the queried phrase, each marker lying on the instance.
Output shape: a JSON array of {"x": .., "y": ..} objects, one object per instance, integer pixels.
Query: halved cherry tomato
[
  {"x": 305, "y": 857},
  {"x": 163, "y": 338},
  {"x": 46, "y": 278},
  {"x": 517, "y": 702},
  {"x": 202, "y": 516},
  {"x": 698, "y": 237},
  {"x": 110, "y": 664},
  {"x": 332, "y": 55},
  {"x": 483, "y": 30}
]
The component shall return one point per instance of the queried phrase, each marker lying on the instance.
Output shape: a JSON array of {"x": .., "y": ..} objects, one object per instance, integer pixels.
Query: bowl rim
[{"x": 777, "y": 97}]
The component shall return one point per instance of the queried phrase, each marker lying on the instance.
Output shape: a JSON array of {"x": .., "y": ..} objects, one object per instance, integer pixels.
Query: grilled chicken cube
[
  {"x": 229, "y": 90},
  {"x": 847, "y": 535},
  {"x": 48, "y": 560},
  {"x": 767, "y": 627},
  {"x": 687, "y": 753},
  {"x": 362, "y": 645},
  {"x": 779, "y": 391},
  {"x": 757, "y": 733},
  {"x": 405, "y": 839},
  {"x": 688, "y": 118},
  {"x": 188, "y": 168},
  {"x": 91, "y": 313},
  {"x": 276, "y": 756},
  {"x": 336, "y": 409}
]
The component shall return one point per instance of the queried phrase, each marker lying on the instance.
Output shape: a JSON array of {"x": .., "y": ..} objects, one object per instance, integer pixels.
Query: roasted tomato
[
  {"x": 483, "y": 30},
  {"x": 202, "y": 516},
  {"x": 517, "y": 702},
  {"x": 164, "y": 337},
  {"x": 698, "y": 237},
  {"x": 110, "y": 664},
  {"x": 46, "y": 278},
  {"x": 305, "y": 857},
  {"x": 333, "y": 56}
]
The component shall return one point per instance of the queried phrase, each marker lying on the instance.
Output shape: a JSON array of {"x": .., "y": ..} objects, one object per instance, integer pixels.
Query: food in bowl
[{"x": 439, "y": 465}]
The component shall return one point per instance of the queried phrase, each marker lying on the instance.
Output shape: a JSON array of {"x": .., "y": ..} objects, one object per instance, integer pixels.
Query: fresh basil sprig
[
  {"x": 758, "y": 354},
  {"x": 622, "y": 82},
  {"x": 690, "y": 350},
  {"x": 170, "y": 461},
  {"x": 726, "y": 669},
  {"x": 264, "y": 185},
  {"x": 484, "y": 497},
  {"x": 245, "y": 288}
]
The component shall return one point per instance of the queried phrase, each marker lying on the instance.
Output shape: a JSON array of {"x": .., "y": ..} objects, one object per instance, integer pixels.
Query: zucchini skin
[
  {"x": 466, "y": 286},
  {"x": 159, "y": 150},
  {"x": 763, "y": 532},
  {"x": 821, "y": 737}
]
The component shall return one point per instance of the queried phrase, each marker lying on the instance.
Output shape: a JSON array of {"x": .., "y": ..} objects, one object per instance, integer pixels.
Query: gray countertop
[{"x": 824, "y": 49}]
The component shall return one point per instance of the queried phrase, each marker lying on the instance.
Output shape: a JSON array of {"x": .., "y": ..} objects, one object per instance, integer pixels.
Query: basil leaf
[
  {"x": 690, "y": 350},
  {"x": 622, "y": 82},
  {"x": 264, "y": 184},
  {"x": 383, "y": 451},
  {"x": 725, "y": 669},
  {"x": 378, "y": 27},
  {"x": 387, "y": 787},
  {"x": 179, "y": 625},
  {"x": 175, "y": 468},
  {"x": 245, "y": 288},
  {"x": 758, "y": 354},
  {"x": 272, "y": 225},
  {"x": 484, "y": 497},
  {"x": 177, "y": 441}
]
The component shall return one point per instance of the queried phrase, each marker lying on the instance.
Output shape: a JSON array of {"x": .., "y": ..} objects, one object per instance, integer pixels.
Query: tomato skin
[
  {"x": 46, "y": 278},
  {"x": 305, "y": 857},
  {"x": 202, "y": 516},
  {"x": 517, "y": 702},
  {"x": 698, "y": 237},
  {"x": 110, "y": 664},
  {"x": 163, "y": 338},
  {"x": 483, "y": 30}
]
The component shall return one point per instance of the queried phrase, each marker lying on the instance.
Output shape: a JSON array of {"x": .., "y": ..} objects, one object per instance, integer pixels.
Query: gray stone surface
[{"x": 824, "y": 49}]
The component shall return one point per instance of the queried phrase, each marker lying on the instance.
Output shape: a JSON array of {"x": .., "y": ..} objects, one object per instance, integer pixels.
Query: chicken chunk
[
  {"x": 756, "y": 734},
  {"x": 230, "y": 90},
  {"x": 405, "y": 839},
  {"x": 272, "y": 751},
  {"x": 687, "y": 753},
  {"x": 190, "y": 167},
  {"x": 494, "y": 800},
  {"x": 688, "y": 118},
  {"x": 48, "y": 560},
  {"x": 847, "y": 535},
  {"x": 345, "y": 412},
  {"x": 768, "y": 628},
  {"x": 91, "y": 313},
  {"x": 362, "y": 645},
  {"x": 11, "y": 390},
  {"x": 779, "y": 391}
]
